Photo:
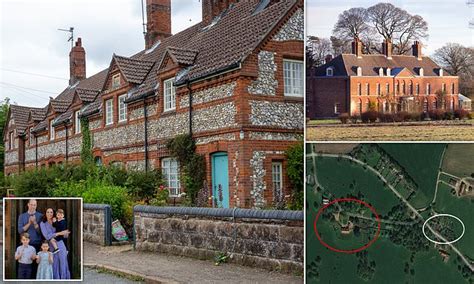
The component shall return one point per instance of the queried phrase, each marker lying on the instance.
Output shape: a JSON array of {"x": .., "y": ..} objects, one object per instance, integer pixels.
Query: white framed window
[
  {"x": 293, "y": 78},
  {"x": 441, "y": 72},
  {"x": 381, "y": 72},
  {"x": 389, "y": 72},
  {"x": 387, "y": 88},
  {"x": 51, "y": 130},
  {"x": 115, "y": 81},
  {"x": 378, "y": 89},
  {"x": 367, "y": 89},
  {"x": 359, "y": 71},
  {"x": 329, "y": 71},
  {"x": 277, "y": 179},
  {"x": 170, "y": 171},
  {"x": 428, "y": 89},
  {"x": 77, "y": 123},
  {"x": 443, "y": 87},
  {"x": 359, "y": 89},
  {"x": 122, "y": 108},
  {"x": 422, "y": 72},
  {"x": 169, "y": 95},
  {"x": 337, "y": 108},
  {"x": 452, "y": 88},
  {"x": 109, "y": 112},
  {"x": 417, "y": 89}
]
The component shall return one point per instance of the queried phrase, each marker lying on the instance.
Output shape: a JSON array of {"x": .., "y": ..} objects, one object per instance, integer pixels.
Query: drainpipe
[
  {"x": 190, "y": 92},
  {"x": 145, "y": 113},
  {"x": 36, "y": 151},
  {"x": 67, "y": 138}
]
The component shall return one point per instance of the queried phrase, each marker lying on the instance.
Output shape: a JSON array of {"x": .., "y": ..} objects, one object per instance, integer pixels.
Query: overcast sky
[
  {"x": 31, "y": 43},
  {"x": 448, "y": 20}
]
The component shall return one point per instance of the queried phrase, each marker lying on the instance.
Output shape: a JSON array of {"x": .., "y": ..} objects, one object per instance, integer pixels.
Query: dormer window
[
  {"x": 169, "y": 95},
  {"x": 330, "y": 71},
  {"x": 381, "y": 72},
  {"x": 389, "y": 72},
  {"x": 359, "y": 71},
  {"x": 115, "y": 81},
  {"x": 441, "y": 72},
  {"x": 422, "y": 72}
]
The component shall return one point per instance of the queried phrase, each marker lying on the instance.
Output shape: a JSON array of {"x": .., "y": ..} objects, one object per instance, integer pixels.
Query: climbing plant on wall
[
  {"x": 192, "y": 165},
  {"x": 86, "y": 150}
]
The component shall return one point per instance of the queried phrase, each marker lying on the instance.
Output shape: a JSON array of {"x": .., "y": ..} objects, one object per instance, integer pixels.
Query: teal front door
[{"x": 220, "y": 180}]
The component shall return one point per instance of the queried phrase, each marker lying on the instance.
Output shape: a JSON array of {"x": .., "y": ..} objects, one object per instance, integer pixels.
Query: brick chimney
[
  {"x": 158, "y": 27},
  {"x": 213, "y": 8},
  {"x": 77, "y": 63},
  {"x": 417, "y": 50},
  {"x": 387, "y": 48},
  {"x": 357, "y": 48},
  {"x": 328, "y": 58}
]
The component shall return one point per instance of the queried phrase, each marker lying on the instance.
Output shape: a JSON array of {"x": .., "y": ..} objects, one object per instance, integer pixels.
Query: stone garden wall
[
  {"x": 97, "y": 225},
  {"x": 266, "y": 239}
]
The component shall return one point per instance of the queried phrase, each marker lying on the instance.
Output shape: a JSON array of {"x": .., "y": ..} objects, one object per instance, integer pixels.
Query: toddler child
[
  {"x": 45, "y": 262},
  {"x": 60, "y": 225},
  {"x": 25, "y": 254}
]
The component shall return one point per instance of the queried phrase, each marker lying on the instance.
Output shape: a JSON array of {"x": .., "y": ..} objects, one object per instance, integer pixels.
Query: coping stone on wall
[{"x": 107, "y": 219}]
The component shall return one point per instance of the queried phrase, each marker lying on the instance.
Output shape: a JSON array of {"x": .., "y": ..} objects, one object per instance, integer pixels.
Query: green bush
[
  {"x": 36, "y": 183},
  {"x": 344, "y": 117},
  {"x": 295, "y": 171},
  {"x": 115, "y": 196},
  {"x": 142, "y": 185}
]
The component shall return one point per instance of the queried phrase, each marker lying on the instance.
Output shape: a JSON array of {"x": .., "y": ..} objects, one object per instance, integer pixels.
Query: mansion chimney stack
[
  {"x": 328, "y": 58},
  {"x": 357, "y": 48},
  {"x": 417, "y": 46},
  {"x": 77, "y": 63},
  {"x": 387, "y": 48},
  {"x": 213, "y": 8},
  {"x": 158, "y": 27}
]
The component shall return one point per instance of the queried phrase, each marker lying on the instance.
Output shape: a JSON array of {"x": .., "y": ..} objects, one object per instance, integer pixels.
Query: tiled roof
[
  {"x": 182, "y": 56},
  {"x": 92, "y": 108},
  {"x": 39, "y": 113},
  {"x": 347, "y": 64},
  {"x": 134, "y": 70},
  {"x": 60, "y": 106},
  {"x": 222, "y": 45},
  {"x": 86, "y": 95},
  {"x": 20, "y": 114},
  {"x": 40, "y": 126},
  {"x": 63, "y": 118}
]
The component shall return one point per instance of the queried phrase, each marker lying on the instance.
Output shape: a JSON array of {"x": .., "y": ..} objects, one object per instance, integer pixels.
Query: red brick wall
[{"x": 324, "y": 93}]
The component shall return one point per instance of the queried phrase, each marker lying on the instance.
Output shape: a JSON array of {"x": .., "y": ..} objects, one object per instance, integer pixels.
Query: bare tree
[
  {"x": 459, "y": 61},
  {"x": 397, "y": 25},
  {"x": 340, "y": 46},
  {"x": 455, "y": 58},
  {"x": 351, "y": 24},
  {"x": 318, "y": 49},
  {"x": 381, "y": 21}
]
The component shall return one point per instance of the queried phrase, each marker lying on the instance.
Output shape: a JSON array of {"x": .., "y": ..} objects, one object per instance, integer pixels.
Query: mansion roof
[{"x": 347, "y": 65}]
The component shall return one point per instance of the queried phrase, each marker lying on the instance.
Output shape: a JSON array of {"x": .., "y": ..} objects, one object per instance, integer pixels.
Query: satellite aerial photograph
[{"x": 389, "y": 213}]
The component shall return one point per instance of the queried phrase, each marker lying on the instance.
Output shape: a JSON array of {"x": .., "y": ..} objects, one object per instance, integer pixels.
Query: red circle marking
[{"x": 348, "y": 200}]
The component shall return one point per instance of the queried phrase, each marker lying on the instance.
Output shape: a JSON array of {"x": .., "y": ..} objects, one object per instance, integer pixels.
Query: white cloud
[{"x": 31, "y": 42}]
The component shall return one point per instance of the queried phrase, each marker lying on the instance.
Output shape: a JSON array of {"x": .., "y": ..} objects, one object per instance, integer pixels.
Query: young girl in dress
[{"x": 45, "y": 262}]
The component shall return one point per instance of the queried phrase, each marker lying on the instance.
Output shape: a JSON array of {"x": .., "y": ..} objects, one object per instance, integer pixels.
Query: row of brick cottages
[
  {"x": 354, "y": 83},
  {"x": 244, "y": 85}
]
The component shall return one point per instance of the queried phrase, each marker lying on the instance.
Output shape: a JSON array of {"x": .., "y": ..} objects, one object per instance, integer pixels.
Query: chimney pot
[
  {"x": 357, "y": 47},
  {"x": 158, "y": 27},
  {"x": 77, "y": 63},
  {"x": 387, "y": 48},
  {"x": 417, "y": 50}
]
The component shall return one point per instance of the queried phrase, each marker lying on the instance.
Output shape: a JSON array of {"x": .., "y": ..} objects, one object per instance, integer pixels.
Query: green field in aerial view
[{"x": 406, "y": 184}]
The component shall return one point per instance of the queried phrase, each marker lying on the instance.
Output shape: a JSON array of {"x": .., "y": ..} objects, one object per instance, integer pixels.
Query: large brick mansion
[
  {"x": 353, "y": 83},
  {"x": 234, "y": 81}
]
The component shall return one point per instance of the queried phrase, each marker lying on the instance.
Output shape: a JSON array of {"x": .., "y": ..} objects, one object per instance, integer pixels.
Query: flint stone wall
[
  {"x": 97, "y": 224},
  {"x": 259, "y": 238},
  {"x": 293, "y": 29},
  {"x": 277, "y": 114}
]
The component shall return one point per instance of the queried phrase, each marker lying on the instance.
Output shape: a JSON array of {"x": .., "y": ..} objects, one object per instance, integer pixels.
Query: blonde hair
[{"x": 25, "y": 235}]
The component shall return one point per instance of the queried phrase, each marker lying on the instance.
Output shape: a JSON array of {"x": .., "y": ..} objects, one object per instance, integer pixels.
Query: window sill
[{"x": 168, "y": 112}]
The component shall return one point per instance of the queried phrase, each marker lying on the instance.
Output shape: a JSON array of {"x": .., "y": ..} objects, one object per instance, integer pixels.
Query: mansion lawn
[{"x": 333, "y": 130}]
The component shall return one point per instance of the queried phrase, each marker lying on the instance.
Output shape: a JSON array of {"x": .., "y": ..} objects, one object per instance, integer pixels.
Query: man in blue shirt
[{"x": 28, "y": 222}]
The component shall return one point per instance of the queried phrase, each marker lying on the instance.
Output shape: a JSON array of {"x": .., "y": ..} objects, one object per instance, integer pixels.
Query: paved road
[{"x": 90, "y": 276}]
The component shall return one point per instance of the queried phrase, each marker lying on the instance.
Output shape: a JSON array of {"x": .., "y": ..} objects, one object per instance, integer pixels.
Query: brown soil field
[
  {"x": 392, "y": 133},
  {"x": 458, "y": 160},
  {"x": 334, "y": 148}
]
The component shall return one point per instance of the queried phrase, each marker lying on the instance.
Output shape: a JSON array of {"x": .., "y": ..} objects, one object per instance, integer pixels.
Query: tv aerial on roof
[{"x": 71, "y": 38}]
